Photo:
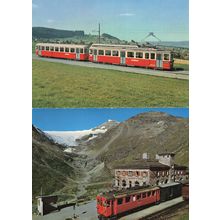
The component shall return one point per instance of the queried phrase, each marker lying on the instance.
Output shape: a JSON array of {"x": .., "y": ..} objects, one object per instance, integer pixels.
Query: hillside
[
  {"x": 50, "y": 33},
  {"x": 51, "y": 168},
  {"x": 152, "y": 132}
]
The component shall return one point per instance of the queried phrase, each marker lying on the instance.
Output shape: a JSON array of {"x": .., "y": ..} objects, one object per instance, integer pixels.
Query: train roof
[
  {"x": 62, "y": 45},
  {"x": 127, "y": 192},
  {"x": 126, "y": 47},
  {"x": 169, "y": 184}
]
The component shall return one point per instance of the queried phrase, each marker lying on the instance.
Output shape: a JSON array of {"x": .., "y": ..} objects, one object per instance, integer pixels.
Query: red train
[
  {"x": 127, "y": 55},
  {"x": 113, "y": 204}
]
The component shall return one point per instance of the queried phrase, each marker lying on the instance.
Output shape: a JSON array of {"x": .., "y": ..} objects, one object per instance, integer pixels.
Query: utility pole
[{"x": 99, "y": 32}]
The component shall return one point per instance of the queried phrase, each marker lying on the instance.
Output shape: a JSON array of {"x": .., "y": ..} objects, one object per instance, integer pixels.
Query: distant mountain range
[{"x": 89, "y": 167}]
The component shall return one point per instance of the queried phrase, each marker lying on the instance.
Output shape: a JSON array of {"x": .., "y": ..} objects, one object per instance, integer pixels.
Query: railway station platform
[{"x": 151, "y": 210}]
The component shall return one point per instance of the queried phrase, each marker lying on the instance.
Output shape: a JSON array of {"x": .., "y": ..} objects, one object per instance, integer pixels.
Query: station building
[{"x": 148, "y": 172}]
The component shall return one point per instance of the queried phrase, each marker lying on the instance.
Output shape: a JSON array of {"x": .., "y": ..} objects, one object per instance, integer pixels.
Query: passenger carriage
[
  {"x": 64, "y": 51},
  {"x": 131, "y": 55}
]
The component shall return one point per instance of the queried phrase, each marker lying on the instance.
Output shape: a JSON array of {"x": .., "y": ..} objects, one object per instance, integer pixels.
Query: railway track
[{"x": 167, "y": 213}]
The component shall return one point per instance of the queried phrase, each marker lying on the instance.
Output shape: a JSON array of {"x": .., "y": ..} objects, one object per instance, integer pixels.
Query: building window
[
  {"x": 124, "y": 183},
  {"x": 72, "y": 50},
  {"x": 144, "y": 173},
  {"x": 118, "y": 173},
  {"x": 130, "y": 173},
  {"x": 152, "y": 56},
  {"x": 115, "y": 53},
  {"x": 120, "y": 201},
  {"x": 137, "y": 183},
  {"x": 61, "y": 49},
  {"x": 127, "y": 199},
  {"x": 130, "y": 54},
  {"x": 139, "y": 55},
  {"x": 101, "y": 52},
  {"x": 108, "y": 52},
  {"x": 166, "y": 56},
  {"x": 137, "y": 173},
  {"x": 67, "y": 50}
]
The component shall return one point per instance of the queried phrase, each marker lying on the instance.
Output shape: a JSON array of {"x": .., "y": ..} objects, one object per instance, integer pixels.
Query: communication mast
[{"x": 99, "y": 32}]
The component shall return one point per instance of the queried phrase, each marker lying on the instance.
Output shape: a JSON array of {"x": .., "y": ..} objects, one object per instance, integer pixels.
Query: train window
[
  {"x": 147, "y": 56},
  {"x": 138, "y": 196},
  {"x": 108, "y": 53},
  {"x": 81, "y": 50},
  {"x": 47, "y": 48},
  {"x": 127, "y": 199},
  {"x": 67, "y": 50},
  {"x": 120, "y": 201},
  {"x": 42, "y": 48},
  {"x": 86, "y": 50},
  {"x": 143, "y": 195},
  {"x": 101, "y": 52},
  {"x": 90, "y": 51},
  {"x": 130, "y": 54},
  {"x": 153, "y": 193},
  {"x": 56, "y": 48},
  {"x": 108, "y": 202},
  {"x": 72, "y": 50},
  {"x": 149, "y": 193},
  {"x": 61, "y": 49},
  {"x": 152, "y": 56},
  {"x": 115, "y": 53},
  {"x": 51, "y": 48},
  {"x": 139, "y": 55},
  {"x": 166, "y": 56}
]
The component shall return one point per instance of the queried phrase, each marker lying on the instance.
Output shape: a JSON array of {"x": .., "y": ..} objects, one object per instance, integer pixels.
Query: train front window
[
  {"x": 120, "y": 201},
  {"x": 90, "y": 51},
  {"x": 166, "y": 56}
]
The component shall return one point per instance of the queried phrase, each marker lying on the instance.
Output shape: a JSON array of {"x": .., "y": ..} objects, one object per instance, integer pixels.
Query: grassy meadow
[{"x": 65, "y": 86}]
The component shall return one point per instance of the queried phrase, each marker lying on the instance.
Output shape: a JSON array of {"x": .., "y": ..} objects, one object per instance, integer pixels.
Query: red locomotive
[
  {"x": 65, "y": 51},
  {"x": 118, "y": 203},
  {"x": 127, "y": 55}
]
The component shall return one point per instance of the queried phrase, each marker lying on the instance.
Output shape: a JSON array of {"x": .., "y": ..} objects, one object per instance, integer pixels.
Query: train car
[
  {"x": 170, "y": 191},
  {"x": 131, "y": 55},
  {"x": 64, "y": 51},
  {"x": 113, "y": 204}
]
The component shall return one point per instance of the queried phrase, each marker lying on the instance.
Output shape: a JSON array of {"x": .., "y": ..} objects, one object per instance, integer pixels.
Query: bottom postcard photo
[{"x": 110, "y": 163}]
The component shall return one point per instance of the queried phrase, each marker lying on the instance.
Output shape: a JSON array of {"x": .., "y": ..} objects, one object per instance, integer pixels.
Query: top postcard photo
[{"x": 110, "y": 53}]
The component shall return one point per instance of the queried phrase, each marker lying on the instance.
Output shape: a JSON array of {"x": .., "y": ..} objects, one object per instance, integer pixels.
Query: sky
[
  {"x": 125, "y": 19},
  {"x": 82, "y": 119}
]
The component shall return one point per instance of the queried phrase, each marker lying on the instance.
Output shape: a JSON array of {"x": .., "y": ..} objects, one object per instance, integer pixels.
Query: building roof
[
  {"x": 166, "y": 153},
  {"x": 180, "y": 167},
  {"x": 144, "y": 164}
]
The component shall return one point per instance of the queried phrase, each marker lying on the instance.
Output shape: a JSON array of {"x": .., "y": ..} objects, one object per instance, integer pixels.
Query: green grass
[
  {"x": 181, "y": 66},
  {"x": 60, "y": 85}
]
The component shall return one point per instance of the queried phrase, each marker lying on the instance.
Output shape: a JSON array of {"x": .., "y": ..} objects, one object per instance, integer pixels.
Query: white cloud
[
  {"x": 127, "y": 14},
  {"x": 34, "y": 5},
  {"x": 50, "y": 21}
]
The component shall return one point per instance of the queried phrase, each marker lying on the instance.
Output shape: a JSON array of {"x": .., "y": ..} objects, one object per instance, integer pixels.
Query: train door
[
  {"x": 95, "y": 55},
  {"x": 122, "y": 58},
  {"x": 159, "y": 60},
  {"x": 77, "y": 53}
]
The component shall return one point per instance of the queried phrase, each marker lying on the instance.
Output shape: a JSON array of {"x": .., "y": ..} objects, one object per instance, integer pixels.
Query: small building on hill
[{"x": 148, "y": 172}]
